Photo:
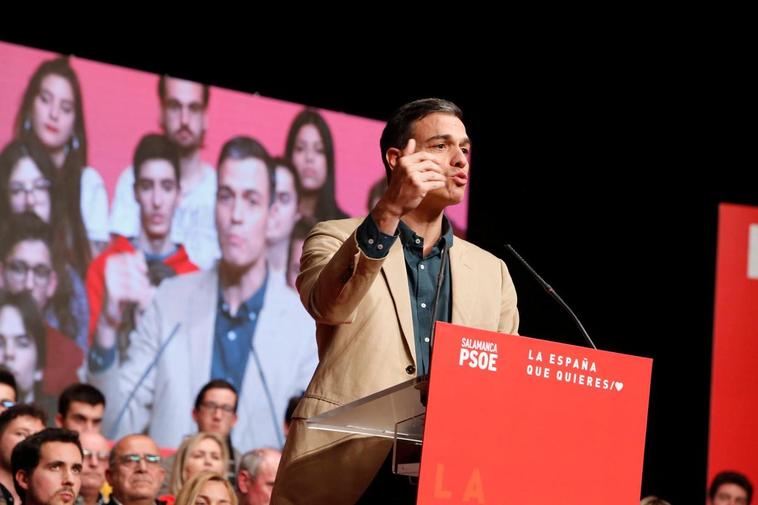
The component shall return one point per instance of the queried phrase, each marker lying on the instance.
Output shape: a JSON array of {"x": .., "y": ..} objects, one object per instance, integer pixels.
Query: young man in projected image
[
  {"x": 231, "y": 322},
  {"x": 284, "y": 215},
  {"x": 183, "y": 118},
  {"x": 122, "y": 280},
  {"x": 370, "y": 283}
]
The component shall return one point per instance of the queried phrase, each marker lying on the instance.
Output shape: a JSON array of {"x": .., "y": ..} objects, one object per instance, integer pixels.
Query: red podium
[{"x": 515, "y": 420}]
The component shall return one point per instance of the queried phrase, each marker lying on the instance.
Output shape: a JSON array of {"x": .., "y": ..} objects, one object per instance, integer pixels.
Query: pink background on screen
[{"x": 121, "y": 105}]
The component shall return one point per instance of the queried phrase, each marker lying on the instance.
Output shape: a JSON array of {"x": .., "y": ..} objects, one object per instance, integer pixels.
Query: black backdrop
[{"x": 604, "y": 171}]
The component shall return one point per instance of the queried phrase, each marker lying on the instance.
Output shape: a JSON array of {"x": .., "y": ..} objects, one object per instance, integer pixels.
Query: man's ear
[
  {"x": 243, "y": 481},
  {"x": 391, "y": 156},
  {"x": 59, "y": 420},
  {"x": 52, "y": 285},
  {"x": 23, "y": 479}
]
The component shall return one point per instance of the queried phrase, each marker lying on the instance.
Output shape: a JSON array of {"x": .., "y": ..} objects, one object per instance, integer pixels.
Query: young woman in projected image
[
  {"x": 22, "y": 347},
  {"x": 311, "y": 150},
  {"x": 28, "y": 184},
  {"x": 51, "y": 111}
]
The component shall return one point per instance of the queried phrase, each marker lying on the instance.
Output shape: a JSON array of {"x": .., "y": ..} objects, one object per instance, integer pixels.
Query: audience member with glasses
[
  {"x": 28, "y": 183},
  {"x": 95, "y": 450},
  {"x": 27, "y": 265},
  {"x": 134, "y": 471},
  {"x": 215, "y": 411}
]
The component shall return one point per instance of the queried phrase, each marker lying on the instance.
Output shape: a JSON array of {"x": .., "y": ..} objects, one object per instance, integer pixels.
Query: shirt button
[
  {"x": 418, "y": 240},
  {"x": 370, "y": 241},
  {"x": 380, "y": 247},
  {"x": 252, "y": 316},
  {"x": 423, "y": 305},
  {"x": 410, "y": 369},
  {"x": 231, "y": 336},
  {"x": 421, "y": 266},
  {"x": 426, "y": 339}
]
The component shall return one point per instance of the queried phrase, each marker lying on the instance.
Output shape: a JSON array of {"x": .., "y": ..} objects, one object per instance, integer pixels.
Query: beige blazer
[{"x": 365, "y": 338}]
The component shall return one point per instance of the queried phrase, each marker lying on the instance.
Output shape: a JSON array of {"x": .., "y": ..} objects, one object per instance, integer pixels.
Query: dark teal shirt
[
  {"x": 422, "y": 275},
  {"x": 234, "y": 336}
]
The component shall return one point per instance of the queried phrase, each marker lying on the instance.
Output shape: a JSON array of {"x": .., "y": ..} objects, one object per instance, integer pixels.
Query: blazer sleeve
[
  {"x": 509, "y": 316},
  {"x": 335, "y": 274}
]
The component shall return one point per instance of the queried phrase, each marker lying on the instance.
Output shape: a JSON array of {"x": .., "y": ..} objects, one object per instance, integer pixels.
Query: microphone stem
[{"x": 552, "y": 293}]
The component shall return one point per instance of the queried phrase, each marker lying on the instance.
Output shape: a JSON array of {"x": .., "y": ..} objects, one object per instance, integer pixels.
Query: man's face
[
  {"x": 17, "y": 430},
  {"x": 57, "y": 477},
  {"x": 284, "y": 213},
  {"x": 444, "y": 137},
  {"x": 157, "y": 193},
  {"x": 135, "y": 480},
  {"x": 258, "y": 489},
  {"x": 96, "y": 451},
  {"x": 242, "y": 210},
  {"x": 82, "y": 417},
  {"x": 28, "y": 267},
  {"x": 730, "y": 494},
  {"x": 183, "y": 113},
  {"x": 216, "y": 413},
  {"x": 18, "y": 349}
]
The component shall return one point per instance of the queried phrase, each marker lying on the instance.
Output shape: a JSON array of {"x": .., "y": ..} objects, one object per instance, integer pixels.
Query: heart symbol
[{"x": 619, "y": 386}]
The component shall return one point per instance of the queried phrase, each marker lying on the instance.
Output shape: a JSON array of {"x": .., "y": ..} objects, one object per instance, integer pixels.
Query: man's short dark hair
[
  {"x": 7, "y": 378},
  {"x": 289, "y": 167},
  {"x": 78, "y": 392},
  {"x": 731, "y": 477},
  {"x": 26, "y": 226},
  {"x": 26, "y": 453},
  {"x": 216, "y": 384},
  {"x": 162, "y": 90},
  {"x": 21, "y": 410},
  {"x": 242, "y": 148},
  {"x": 399, "y": 127},
  {"x": 291, "y": 406},
  {"x": 156, "y": 147}
]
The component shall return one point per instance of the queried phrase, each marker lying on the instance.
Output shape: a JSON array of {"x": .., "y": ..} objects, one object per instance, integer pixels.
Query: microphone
[
  {"x": 114, "y": 429},
  {"x": 552, "y": 293}
]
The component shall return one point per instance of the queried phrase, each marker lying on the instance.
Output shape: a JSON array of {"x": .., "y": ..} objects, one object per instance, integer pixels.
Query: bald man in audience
[
  {"x": 134, "y": 471},
  {"x": 256, "y": 476}
]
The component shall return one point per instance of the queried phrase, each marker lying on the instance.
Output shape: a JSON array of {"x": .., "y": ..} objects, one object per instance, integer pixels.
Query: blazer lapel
[
  {"x": 200, "y": 328},
  {"x": 397, "y": 282},
  {"x": 463, "y": 288}
]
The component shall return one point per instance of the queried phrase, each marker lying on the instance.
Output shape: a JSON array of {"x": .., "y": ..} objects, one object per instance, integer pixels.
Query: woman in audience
[
  {"x": 207, "y": 488},
  {"x": 198, "y": 453}
]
